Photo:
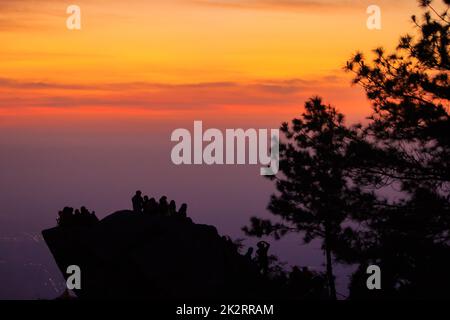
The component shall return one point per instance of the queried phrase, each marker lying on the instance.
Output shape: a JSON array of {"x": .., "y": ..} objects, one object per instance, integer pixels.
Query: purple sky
[{"x": 45, "y": 169}]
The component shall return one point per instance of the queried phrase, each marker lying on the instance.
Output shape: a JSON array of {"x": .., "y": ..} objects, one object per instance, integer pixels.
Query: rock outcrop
[{"x": 129, "y": 255}]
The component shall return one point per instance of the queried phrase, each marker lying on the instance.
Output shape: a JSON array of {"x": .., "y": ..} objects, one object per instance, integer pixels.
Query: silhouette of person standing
[
  {"x": 183, "y": 211},
  {"x": 145, "y": 205},
  {"x": 152, "y": 206},
  {"x": 249, "y": 253},
  {"x": 172, "y": 208},
  {"x": 85, "y": 215},
  {"x": 163, "y": 206},
  {"x": 262, "y": 256},
  {"x": 66, "y": 217},
  {"x": 137, "y": 202}
]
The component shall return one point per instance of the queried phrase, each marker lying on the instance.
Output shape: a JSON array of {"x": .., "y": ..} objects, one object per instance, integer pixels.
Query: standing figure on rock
[
  {"x": 152, "y": 206},
  {"x": 66, "y": 217},
  {"x": 85, "y": 215},
  {"x": 163, "y": 206},
  {"x": 145, "y": 205},
  {"x": 183, "y": 211},
  {"x": 172, "y": 208},
  {"x": 93, "y": 218},
  {"x": 249, "y": 253},
  {"x": 262, "y": 257},
  {"x": 137, "y": 202}
]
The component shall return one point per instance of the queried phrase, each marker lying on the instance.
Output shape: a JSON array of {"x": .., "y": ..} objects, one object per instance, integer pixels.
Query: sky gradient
[{"x": 86, "y": 116}]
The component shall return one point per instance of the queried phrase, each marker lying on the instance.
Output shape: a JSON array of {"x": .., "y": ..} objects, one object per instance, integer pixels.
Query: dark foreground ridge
[{"x": 129, "y": 255}]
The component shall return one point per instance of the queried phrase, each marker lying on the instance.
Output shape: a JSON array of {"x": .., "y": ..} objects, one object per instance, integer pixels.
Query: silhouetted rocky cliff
[{"x": 130, "y": 255}]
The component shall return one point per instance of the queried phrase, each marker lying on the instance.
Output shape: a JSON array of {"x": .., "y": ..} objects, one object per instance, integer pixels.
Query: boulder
[{"x": 130, "y": 255}]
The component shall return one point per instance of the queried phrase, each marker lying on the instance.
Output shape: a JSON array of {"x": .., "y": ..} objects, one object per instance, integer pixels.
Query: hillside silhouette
[{"x": 162, "y": 254}]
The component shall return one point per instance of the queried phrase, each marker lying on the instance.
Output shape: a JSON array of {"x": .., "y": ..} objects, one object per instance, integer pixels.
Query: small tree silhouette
[
  {"x": 406, "y": 144},
  {"x": 327, "y": 170},
  {"x": 314, "y": 195},
  {"x": 408, "y": 138}
]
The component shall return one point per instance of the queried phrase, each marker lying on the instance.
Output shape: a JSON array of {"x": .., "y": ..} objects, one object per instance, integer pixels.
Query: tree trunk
[{"x": 330, "y": 277}]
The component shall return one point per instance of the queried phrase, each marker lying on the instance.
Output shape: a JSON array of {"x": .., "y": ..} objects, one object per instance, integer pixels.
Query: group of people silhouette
[
  {"x": 146, "y": 205},
  {"x": 78, "y": 217},
  {"x": 299, "y": 282}
]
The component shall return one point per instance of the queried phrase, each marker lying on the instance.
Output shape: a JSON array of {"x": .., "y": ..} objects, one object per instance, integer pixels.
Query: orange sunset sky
[
  {"x": 86, "y": 115},
  {"x": 177, "y": 59}
]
